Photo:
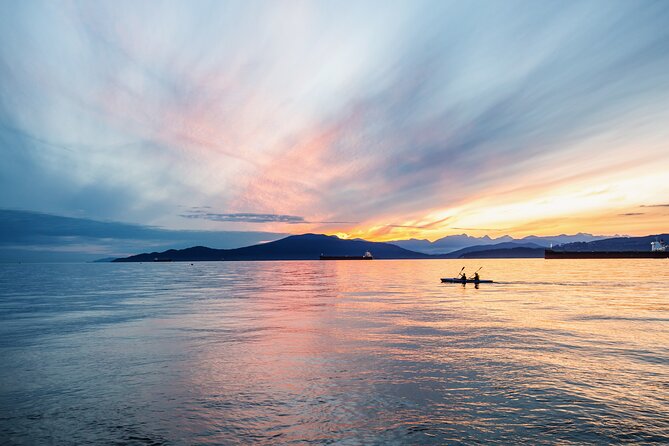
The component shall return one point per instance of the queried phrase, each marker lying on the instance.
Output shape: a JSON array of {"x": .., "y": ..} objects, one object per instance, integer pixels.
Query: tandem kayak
[{"x": 455, "y": 280}]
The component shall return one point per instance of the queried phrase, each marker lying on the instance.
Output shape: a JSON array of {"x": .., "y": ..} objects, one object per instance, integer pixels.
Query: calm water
[{"x": 379, "y": 352}]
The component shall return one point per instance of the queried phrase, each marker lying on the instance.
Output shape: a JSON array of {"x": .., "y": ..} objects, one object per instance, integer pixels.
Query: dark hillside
[{"x": 295, "y": 247}]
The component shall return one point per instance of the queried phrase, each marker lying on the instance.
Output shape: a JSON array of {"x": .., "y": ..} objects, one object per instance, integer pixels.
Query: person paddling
[
  {"x": 463, "y": 277},
  {"x": 477, "y": 279}
]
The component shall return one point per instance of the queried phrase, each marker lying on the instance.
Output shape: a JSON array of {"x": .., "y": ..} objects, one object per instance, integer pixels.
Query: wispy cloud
[
  {"x": 482, "y": 229},
  {"x": 202, "y": 213},
  {"x": 246, "y": 217},
  {"x": 320, "y": 117}
]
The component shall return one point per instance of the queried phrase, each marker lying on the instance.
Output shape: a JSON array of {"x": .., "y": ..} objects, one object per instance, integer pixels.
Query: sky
[{"x": 382, "y": 120}]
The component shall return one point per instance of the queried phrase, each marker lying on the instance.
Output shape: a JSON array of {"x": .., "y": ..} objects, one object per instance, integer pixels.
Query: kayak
[{"x": 455, "y": 280}]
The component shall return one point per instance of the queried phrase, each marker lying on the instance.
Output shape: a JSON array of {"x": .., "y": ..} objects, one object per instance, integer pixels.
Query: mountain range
[
  {"x": 311, "y": 246},
  {"x": 504, "y": 249},
  {"x": 615, "y": 244},
  {"x": 454, "y": 243},
  {"x": 294, "y": 247}
]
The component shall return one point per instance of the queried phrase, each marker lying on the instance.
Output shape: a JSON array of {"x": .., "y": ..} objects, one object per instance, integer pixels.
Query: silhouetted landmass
[
  {"x": 295, "y": 247},
  {"x": 614, "y": 244},
  {"x": 29, "y": 236},
  {"x": 452, "y": 243},
  {"x": 311, "y": 246},
  {"x": 508, "y": 253},
  {"x": 499, "y": 248}
]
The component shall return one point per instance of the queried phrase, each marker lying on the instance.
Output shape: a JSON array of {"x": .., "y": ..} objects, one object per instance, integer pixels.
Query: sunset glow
[{"x": 391, "y": 121}]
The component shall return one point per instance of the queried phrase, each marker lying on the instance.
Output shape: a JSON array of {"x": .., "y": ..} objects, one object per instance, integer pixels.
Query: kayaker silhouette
[
  {"x": 476, "y": 277},
  {"x": 463, "y": 277}
]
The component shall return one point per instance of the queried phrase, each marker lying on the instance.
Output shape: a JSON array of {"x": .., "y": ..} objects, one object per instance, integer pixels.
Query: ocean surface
[{"x": 338, "y": 352}]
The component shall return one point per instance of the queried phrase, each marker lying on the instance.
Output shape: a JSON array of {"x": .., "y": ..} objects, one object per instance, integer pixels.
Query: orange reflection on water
[{"x": 312, "y": 351}]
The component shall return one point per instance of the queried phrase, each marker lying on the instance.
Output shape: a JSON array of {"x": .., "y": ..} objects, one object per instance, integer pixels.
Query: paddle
[{"x": 460, "y": 273}]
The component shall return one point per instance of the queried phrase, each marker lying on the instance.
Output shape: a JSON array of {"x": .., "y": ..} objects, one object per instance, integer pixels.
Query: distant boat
[
  {"x": 658, "y": 250},
  {"x": 366, "y": 256}
]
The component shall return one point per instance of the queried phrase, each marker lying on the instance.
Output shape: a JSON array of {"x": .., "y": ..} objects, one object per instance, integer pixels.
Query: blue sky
[{"x": 374, "y": 119}]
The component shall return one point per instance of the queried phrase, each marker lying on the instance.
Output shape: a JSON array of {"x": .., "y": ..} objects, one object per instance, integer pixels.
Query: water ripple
[{"x": 353, "y": 353}]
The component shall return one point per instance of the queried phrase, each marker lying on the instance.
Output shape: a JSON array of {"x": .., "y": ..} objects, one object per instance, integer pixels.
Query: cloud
[
  {"x": 406, "y": 152},
  {"x": 314, "y": 116},
  {"x": 25, "y": 234},
  {"x": 655, "y": 205},
  {"x": 482, "y": 229},
  {"x": 202, "y": 213},
  {"x": 245, "y": 217}
]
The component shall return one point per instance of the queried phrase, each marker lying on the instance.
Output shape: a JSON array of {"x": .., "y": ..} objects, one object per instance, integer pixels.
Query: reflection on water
[{"x": 568, "y": 351}]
